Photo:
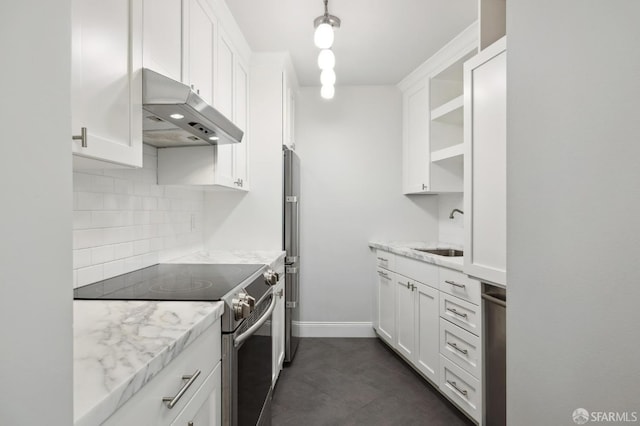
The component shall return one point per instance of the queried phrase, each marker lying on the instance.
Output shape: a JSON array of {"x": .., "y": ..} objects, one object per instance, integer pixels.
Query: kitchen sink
[{"x": 442, "y": 252}]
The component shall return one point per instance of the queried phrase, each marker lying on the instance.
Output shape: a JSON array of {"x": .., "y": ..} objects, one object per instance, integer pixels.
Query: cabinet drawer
[
  {"x": 424, "y": 272},
  {"x": 147, "y": 407},
  {"x": 461, "y": 388},
  {"x": 205, "y": 406},
  {"x": 459, "y": 285},
  {"x": 461, "y": 347},
  {"x": 460, "y": 312},
  {"x": 386, "y": 260}
]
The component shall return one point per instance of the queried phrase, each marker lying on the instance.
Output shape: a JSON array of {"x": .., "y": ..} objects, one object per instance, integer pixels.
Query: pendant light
[{"x": 323, "y": 38}]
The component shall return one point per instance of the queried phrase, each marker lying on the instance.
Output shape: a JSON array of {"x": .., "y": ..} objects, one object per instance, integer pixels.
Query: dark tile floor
[{"x": 356, "y": 382}]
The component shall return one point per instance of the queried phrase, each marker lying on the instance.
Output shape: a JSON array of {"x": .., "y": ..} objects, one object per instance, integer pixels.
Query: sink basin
[{"x": 442, "y": 252}]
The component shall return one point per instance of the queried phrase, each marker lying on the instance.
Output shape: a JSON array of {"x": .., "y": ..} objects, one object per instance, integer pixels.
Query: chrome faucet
[{"x": 454, "y": 211}]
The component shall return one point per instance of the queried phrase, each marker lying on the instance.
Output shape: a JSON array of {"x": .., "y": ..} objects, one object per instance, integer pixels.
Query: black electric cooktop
[{"x": 167, "y": 281}]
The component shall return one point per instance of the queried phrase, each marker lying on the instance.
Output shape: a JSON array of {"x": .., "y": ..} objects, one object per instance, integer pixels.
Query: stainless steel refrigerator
[{"x": 291, "y": 244}]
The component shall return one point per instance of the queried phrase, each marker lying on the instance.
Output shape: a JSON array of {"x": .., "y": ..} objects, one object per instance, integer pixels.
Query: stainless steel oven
[{"x": 247, "y": 368}]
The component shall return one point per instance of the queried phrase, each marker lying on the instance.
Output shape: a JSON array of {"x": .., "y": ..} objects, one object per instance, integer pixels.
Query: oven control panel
[{"x": 243, "y": 305}]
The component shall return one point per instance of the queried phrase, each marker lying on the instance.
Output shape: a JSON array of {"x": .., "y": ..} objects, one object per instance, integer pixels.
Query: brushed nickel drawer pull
[
  {"x": 382, "y": 259},
  {"x": 454, "y": 346},
  {"x": 383, "y": 274},
  {"x": 460, "y": 314},
  {"x": 455, "y": 284},
  {"x": 172, "y": 401},
  {"x": 455, "y": 386}
]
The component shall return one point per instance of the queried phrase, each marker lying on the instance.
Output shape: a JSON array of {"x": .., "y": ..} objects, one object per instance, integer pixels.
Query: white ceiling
[{"x": 379, "y": 42}]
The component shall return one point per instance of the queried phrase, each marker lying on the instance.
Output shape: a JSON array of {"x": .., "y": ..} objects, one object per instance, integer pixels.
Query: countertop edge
[{"x": 404, "y": 249}]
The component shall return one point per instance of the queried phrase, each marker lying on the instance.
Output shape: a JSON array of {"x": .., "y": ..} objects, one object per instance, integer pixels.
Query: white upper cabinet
[
  {"x": 213, "y": 62},
  {"x": 432, "y": 106},
  {"x": 485, "y": 168},
  {"x": 415, "y": 142},
  {"x": 199, "y": 50},
  {"x": 241, "y": 119},
  {"x": 224, "y": 75},
  {"x": 289, "y": 90},
  {"x": 106, "y": 85},
  {"x": 162, "y": 47},
  {"x": 223, "y": 101}
]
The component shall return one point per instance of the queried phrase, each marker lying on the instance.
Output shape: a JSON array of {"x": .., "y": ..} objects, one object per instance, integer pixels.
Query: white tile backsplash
[{"x": 124, "y": 221}]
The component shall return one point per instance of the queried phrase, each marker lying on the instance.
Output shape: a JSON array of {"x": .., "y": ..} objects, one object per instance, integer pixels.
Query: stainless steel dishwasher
[{"x": 495, "y": 355}]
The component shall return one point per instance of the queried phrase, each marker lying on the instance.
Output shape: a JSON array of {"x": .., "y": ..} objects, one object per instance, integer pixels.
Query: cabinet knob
[{"x": 82, "y": 137}]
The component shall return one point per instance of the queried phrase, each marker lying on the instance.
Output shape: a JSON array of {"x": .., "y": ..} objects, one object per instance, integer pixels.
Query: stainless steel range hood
[{"x": 175, "y": 116}]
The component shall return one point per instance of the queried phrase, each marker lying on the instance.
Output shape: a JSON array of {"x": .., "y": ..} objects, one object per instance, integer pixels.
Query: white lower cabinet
[
  {"x": 461, "y": 347},
  {"x": 427, "y": 327},
  {"x": 386, "y": 306},
  {"x": 204, "y": 408},
  {"x": 461, "y": 387},
  {"x": 461, "y": 313},
  {"x": 201, "y": 396},
  {"x": 277, "y": 329},
  {"x": 408, "y": 311},
  {"x": 431, "y": 316},
  {"x": 405, "y": 316}
]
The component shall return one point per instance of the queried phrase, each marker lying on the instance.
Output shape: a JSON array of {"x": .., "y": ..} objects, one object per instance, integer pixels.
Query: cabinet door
[
  {"x": 199, "y": 55},
  {"x": 106, "y": 85},
  {"x": 241, "y": 119},
  {"x": 416, "y": 159},
  {"x": 485, "y": 164},
  {"x": 386, "y": 306},
  {"x": 405, "y": 314},
  {"x": 427, "y": 331},
  {"x": 223, "y": 101},
  {"x": 162, "y": 49},
  {"x": 277, "y": 331},
  {"x": 288, "y": 110}
]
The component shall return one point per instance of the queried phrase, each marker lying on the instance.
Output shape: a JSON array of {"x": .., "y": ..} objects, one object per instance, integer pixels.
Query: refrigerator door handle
[{"x": 292, "y": 199}]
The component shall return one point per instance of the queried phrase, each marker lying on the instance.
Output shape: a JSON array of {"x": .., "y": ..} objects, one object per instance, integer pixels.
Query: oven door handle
[{"x": 251, "y": 330}]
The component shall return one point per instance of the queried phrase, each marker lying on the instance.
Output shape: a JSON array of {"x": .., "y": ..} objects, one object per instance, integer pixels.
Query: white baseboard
[{"x": 334, "y": 329}]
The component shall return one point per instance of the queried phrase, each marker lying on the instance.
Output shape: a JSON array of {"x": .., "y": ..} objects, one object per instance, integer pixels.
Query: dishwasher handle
[{"x": 495, "y": 300}]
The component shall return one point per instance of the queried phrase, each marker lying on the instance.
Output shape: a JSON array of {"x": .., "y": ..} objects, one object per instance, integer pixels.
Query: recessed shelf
[
  {"x": 451, "y": 112},
  {"x": 447, "y": 153}
]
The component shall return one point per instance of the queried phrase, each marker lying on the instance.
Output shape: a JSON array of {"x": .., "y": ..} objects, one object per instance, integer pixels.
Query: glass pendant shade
[
  {"x": 328, "y": 77},
  {"x": 323, "y": 37},
  {"x": 326, "y": 59},
  {"x": 327, "y": 92}
]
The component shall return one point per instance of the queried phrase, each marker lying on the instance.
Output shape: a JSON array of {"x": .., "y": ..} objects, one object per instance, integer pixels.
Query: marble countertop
[
  {"x": 275, "y": 259},
  {"x": 404, "y": 248},
  {"x": 118, "y": 346}
]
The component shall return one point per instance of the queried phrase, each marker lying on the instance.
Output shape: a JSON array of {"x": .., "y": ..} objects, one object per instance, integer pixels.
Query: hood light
[
  {"x": 213, "y": 138},
  {"x": 177, "y": 116}
]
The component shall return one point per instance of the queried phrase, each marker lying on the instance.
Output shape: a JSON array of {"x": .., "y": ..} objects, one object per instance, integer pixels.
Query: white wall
[
  {"x": 35, "y": 247},
  {"x": 451, "y": 231},
  {"x": 350, "y": 152},
  {"x": 573, "y": 209},
  {"x": 123, "y": 220},
  {"x": 253, "y": 220}
]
